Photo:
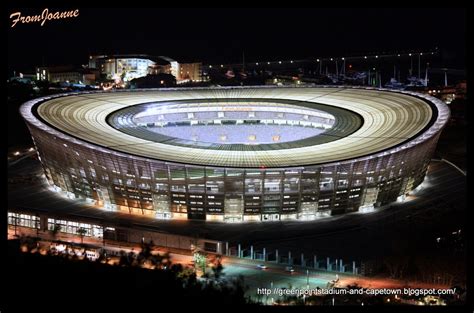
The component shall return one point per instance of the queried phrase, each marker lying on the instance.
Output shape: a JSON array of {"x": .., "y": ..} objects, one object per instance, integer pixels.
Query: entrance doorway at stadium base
[{"x": 270, "y": 217}]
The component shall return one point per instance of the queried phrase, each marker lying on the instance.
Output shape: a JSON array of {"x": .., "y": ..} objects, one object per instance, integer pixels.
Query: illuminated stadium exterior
[{"x": 238, "y": 153}]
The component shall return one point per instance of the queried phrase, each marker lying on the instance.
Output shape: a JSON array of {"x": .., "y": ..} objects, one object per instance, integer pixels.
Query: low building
[
  {"x": 189, "y": 72},
  {"x": 66, "y": 74}
]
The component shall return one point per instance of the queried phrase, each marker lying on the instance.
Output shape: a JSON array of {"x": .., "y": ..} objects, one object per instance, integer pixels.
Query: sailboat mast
[{"x": 419, "y": 65}]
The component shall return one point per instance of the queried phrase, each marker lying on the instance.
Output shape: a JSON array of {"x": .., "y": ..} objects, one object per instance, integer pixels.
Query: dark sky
[{"x": 220, "y": 35}]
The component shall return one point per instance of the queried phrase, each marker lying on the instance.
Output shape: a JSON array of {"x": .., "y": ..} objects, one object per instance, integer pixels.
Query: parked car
[
  {"x": 289, "y": 269},
  {"x": 262, "y": 266}
]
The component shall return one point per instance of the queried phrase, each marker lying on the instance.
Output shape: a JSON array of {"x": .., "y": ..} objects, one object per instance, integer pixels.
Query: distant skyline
[{"x": 221, "y": 35}]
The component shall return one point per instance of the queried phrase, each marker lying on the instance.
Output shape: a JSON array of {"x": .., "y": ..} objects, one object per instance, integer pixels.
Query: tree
[
  {"x": 123, "y": 75},
  {"x": 102, "y": 256},
  {"x": 145, "y": 253},
  {"x": 200, "y": 261},
  {"x": 217, "y": 270},
  {"x": 124, "y": 259},
  {"x": 81, "y": 231}
]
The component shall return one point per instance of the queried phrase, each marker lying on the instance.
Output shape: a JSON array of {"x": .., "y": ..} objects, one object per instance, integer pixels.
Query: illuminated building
[{"x": 237, "y": 153}]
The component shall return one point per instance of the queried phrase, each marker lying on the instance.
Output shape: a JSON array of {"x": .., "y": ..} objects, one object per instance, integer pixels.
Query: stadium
[{"x": 236, "y": 153}]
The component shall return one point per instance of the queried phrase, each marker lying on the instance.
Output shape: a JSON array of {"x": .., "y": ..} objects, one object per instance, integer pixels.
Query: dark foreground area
[{"x": 45, "y": 281}]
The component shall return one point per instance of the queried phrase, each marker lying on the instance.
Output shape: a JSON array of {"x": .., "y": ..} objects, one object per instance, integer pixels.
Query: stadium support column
[
  {"x": 227, "y": 248},
  {"x": 328, "y": 264},
  {"x": 303, "y": 263},
  {"x": 264, "y": 254},
  {"x": 354, "y": 268},
  {"x": 276, "y": 256},
  {"x": 289, "y": 258},
  {"x": 315, "y": 261},
  {"x": 251, "y": 252},
  {"x": 239, "y": 251}
]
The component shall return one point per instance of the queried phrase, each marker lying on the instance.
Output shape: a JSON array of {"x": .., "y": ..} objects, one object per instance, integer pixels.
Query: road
[{"x": 274, "y": 276}]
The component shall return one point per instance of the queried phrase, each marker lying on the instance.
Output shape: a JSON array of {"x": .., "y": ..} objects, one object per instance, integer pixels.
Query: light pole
[
  {"x": 307, "y": 279},
  {"x": 271, "y": 287},
  {"x": 16, "y": 223}
]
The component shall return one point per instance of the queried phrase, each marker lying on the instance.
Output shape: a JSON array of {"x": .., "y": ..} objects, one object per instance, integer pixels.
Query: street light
[
  {"x": 307, "y": 279},
  {"x": 271, "y": 287},
  {"x": 16, "y": 222}
]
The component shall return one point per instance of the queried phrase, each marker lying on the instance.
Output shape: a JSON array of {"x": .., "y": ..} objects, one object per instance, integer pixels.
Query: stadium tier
[{"x": 236, "y": 153}]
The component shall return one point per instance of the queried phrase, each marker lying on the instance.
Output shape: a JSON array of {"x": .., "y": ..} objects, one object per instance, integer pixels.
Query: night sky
[{"x": 220, "y": 35}]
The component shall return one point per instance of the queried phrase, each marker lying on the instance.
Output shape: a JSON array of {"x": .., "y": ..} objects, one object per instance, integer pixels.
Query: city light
[{"x": 16, "y": 153}]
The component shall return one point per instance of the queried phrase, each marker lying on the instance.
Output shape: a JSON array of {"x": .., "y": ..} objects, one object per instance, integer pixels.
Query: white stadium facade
[{"x": 236, "y": 153}]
